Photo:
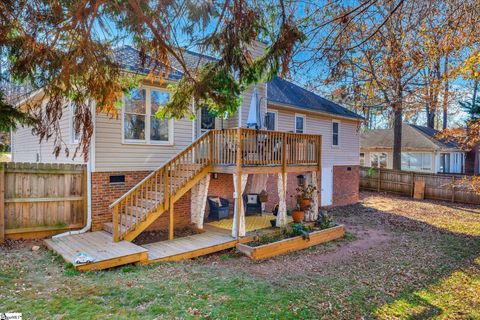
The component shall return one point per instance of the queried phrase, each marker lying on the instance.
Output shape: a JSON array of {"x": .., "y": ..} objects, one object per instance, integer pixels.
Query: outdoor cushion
[
  {"x": 216, "y": 200},
  {"x": 252, "y": 198}
]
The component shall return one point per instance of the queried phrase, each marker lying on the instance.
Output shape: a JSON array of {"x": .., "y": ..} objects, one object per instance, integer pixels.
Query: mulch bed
[{"x": 162, "y": 235}]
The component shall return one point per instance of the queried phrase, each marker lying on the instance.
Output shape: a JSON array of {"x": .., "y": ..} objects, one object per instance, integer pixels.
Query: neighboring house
[
  {"x": 472, "y": 161},
  {"x": 124, "y": 150},
  {"x": 422, "y": 151}
]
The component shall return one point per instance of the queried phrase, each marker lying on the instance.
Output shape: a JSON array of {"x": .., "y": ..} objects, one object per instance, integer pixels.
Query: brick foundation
[
  {"x": 345, "y": 191},
  {"x": 222, "y": 186},
  {"x": 346, "y": 181},
  {"x": 104, "y": 193}
]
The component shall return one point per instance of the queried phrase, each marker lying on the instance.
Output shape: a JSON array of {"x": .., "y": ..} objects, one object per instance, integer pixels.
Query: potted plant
[
  {"x": 304, "y": 196},
  {"x": 298, "y": 214}
]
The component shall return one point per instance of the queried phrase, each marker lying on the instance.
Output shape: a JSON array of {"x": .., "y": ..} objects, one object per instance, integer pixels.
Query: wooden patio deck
[
  {"x": 109, "y": 254},
  {"x": 99, "y": 245}
]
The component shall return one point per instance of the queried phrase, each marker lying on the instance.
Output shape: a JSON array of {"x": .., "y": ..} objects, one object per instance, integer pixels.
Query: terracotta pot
[
  {"x": 305, "y": 203},
  {"x": 297, "y": 216}
]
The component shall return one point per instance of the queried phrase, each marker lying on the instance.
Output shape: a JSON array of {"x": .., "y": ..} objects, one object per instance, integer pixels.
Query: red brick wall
[
  {"x": 104, "y": 193},
  {"x": 345, "y": 185},
  {"x": 272, "y": 190},
  {"x": 222, "y": 187}
]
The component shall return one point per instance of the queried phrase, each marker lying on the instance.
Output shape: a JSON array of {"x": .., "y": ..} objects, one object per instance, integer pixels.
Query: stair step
[
  {"x": 108, "y": 226},
  {"x": 135, "y": 211}
]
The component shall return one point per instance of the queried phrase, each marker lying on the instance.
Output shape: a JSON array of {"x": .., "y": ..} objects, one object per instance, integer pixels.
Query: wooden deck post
[
  {"x": 2, "y": 203},
  {"x": 239, "y": 179},
  {"x": 171, "y": 220}
]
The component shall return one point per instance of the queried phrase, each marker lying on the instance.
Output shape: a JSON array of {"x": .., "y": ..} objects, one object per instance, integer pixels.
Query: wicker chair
[
  {"x": 219, "y": 208},
  {"x": 252, "y": 207}
]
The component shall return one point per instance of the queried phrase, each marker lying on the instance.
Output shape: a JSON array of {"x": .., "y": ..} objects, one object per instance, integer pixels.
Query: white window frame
[
  {"x": 360, "y": 157},
  {"x": 300, "y": 115},
  {"x": 378, "y": 155},
  {"x": 338, "y": 134},
  {"x": 432, "y": 161},
  {"x": 275, "y": 124},
  {"x": 148, "y": 114},
  {"x": 72, "y": 126}
]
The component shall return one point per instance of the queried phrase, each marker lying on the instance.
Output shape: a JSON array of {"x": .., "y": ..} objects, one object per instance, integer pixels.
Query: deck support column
[
  {"x": 198, "y": 201},
  {"x": 171, "y": 221},
  {"x": 312, "y": 213},
  {"x": 282, "y": 203}
]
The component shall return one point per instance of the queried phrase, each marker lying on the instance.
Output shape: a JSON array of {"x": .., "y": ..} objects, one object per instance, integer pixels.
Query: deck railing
[
  {"x": 262, "y": 147},
  {"x": 216, "y": 147}
]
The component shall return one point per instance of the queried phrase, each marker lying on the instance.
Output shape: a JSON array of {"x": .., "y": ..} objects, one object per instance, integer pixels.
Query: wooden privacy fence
[
  {"x": 38, "y": 199},
  {"x": 454, "y": 188}
]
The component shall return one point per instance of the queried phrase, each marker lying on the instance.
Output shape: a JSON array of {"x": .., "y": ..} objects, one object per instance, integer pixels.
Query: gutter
[{"x": 330, "y": 115}]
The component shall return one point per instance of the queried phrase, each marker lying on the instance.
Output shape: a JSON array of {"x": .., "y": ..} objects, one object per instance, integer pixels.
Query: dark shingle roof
[
  {"x": 413, "y": 138},
  {"x": 129, "y": 59},
  {"x": 431, "y": 133},
  {"x": 284, "y": 92}
]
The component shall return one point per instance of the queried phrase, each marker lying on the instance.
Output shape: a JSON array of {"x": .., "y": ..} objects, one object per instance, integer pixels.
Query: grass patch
[{"x": 420, "y": 270}]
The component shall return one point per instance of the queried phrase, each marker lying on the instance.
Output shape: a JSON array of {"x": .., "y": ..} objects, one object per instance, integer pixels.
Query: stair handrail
[{"x": 169, "y": 162}]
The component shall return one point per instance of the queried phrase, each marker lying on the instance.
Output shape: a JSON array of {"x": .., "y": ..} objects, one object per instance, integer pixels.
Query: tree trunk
[
  {"x": 445, "y": 94},
  {"x": 397, "y": 136},
  {"x": 474, "y": 98}
]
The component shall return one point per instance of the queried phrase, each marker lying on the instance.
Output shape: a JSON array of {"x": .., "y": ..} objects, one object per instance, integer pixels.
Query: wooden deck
[
  {"x": 108, "y": 253},
  {"x": 189, "y": 247},
  {"x": 99, "y": 245}
]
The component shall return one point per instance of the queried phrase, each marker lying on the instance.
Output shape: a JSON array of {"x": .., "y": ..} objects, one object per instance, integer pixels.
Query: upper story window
[
  {"x": 140, "y": 125},
  {"x": 271, "y": 120},
  {"x": 335, "y": 133},
  {"x": 299, "y": 123}
]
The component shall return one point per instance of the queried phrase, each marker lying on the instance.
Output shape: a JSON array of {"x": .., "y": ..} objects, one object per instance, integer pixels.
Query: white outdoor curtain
[
  {"x": 282, "y": 205},
  {"x": 199, "y": 201},
  {"x": 312, "y": 213},
  {"x": 259, "y": 183},
  {"x": 238, "y": 193}
]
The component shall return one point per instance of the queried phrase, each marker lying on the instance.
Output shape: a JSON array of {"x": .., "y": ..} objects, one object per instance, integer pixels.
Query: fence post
[
  {"x": 379, "y": 182},
  {"x": 412, "y": 185},
  {"x": 2, "y": 202},
  {"x": 453, "y": 188}
]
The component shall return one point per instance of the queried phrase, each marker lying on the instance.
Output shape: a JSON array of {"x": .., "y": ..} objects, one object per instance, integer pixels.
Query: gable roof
[
  {"x": 413, "y": 138},
  {"x": 129, "y": 59},
  {"x": 285, "y": 92}
]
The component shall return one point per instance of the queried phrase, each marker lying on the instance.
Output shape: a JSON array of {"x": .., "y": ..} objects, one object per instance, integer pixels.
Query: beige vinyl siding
[
  {"x": 113, "y": 155},
  {"x": 346, "y": 153},
  {"x": 26, "y": 145}
]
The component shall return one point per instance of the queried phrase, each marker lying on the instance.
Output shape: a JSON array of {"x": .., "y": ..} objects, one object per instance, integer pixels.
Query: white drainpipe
[
  {"x": 91, "y": 156},
  {"x": 88, "y": 225}
]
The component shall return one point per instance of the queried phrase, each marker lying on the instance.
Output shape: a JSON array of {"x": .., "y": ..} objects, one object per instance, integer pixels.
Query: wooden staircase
[
  {"x": 157, "y": 193},
  {"x": 233, "y": 148}
]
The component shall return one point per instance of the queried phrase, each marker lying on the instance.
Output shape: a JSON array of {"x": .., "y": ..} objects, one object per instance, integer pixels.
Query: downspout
[{"x": 88, "y": 225}]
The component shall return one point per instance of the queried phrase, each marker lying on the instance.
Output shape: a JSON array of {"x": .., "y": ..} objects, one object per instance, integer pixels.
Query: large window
[
  {"x": 416, "y": 161},
  {"x": 140, "y": 124},
  {"x": 335, "y": 133},
  {"x": 299, "y": 123},
  {"x": 378, "y": 160},
  {"x": 271, "y": 120}
]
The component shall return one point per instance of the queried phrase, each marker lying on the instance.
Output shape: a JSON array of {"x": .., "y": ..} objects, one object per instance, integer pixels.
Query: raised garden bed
[{"x": 265, "y": 251}]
